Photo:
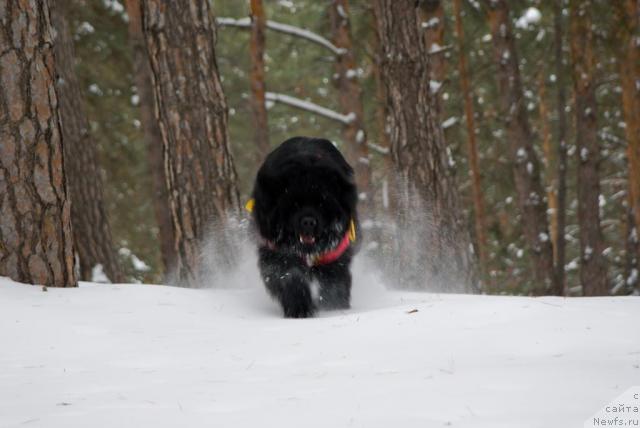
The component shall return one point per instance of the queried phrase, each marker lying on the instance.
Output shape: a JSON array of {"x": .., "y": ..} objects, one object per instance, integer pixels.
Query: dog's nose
[{"x": 308, "y": 224}]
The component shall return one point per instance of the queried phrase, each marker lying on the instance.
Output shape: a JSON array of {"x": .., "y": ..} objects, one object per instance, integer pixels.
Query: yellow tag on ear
[
  {"x": 352, "y": 231},
  {"x": 249, "y": 205}
]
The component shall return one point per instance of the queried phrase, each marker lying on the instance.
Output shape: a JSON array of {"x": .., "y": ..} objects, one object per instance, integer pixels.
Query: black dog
[{"x": 304, "y": 207}]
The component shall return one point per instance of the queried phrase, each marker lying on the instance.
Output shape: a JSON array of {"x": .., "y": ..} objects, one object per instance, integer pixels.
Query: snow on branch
[
  {"x": 284, "y": 28},
  {"x": 309, "y": 106},
  {"x": 377, "y": 148}
]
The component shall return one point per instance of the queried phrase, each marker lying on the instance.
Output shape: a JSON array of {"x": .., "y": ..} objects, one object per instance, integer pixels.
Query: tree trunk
[
  {"x": 559, "y": 286},
  {"x": 550, "y": 162},
  {"x": 350, "y": 99},
  {"x": 36, "y": 239},
  {"x": 91, "y": 228},
  {"x": 593, "y": 269},
  {"x": 526, "y": 167},
  {"x": 258, "y": 87},
  {"x": 153, "y": 139},
  {"x": 478, "y": 199},
  {"x": 628, "y": 12},
  {"x": 420, "y": 155},
  {"x": 191, "y": 111}
]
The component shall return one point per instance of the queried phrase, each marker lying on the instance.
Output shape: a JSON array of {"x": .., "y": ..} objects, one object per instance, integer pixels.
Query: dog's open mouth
[{"x": 307, "y": 239}]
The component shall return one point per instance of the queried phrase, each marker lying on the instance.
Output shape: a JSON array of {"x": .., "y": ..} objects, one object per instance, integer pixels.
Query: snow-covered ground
[{"x": 158, "y": 356}]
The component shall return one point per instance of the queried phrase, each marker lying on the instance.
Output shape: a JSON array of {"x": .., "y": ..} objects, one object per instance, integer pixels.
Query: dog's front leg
[
  {"x": 335, "y": 285},
  {"x": 286, "y": 281}
]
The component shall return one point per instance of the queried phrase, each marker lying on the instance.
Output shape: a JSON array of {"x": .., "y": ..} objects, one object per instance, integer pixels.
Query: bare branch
[
  {"x": 310, "y": 107},
  {"x": 285, "y": 29}
]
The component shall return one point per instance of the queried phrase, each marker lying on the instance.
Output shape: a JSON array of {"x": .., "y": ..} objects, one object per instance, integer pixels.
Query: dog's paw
[{"x": 296, "y": 299}]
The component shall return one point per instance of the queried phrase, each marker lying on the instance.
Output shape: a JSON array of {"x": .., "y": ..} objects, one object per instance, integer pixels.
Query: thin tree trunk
[
  {"x": 419, "y": 153},
  {"x": 526, "y": 167},
  {"x": 258, "y": 86},
  {"x": 152, "y": 136},
  {"x": 551, "y": 170},
  {"x": 559, "y": 286},
  {"x": 593, "y": 269},
  {"x": 629, "y": 41},
  {"x": 432, "y": 25},
  {"x": 350, "y": 98},
  {"x": 191, "y": 110},
  {"x": 91, "y": 228},
  {"x": 389, "y": 197},
  {"x": 632, "y": 249},
  {"x": 36, "y": 236},
  {"x": 478, "y": 199}
]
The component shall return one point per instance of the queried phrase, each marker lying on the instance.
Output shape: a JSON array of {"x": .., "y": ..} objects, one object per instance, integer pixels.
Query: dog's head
[{"x": 305, "y": 196}]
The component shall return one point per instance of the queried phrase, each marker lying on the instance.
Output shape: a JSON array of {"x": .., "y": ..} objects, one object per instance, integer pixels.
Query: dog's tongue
[{"x": 308, "y": 240}]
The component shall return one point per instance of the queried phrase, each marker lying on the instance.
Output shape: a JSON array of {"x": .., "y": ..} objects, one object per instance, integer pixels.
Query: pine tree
[
  {"x": 36, "y": 240},
  {"x": 258, "y": 87},
  {"x": 192, "y": 112},
  {"x": 152, "y": 137},
  {"x": 419, "y": 151},
  {"x": 91, "y": 226},
  {"x": 525, "y": 163},
  {"x": 349, "y": 94},
  {"x": 593, "y": 269}
]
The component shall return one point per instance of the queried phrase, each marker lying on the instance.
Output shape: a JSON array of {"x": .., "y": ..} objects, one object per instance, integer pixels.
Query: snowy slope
[{"x": 157, "y": 356}]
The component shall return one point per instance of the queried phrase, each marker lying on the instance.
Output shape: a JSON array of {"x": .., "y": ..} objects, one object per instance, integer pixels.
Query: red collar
[{"x": 331, "y": 255}]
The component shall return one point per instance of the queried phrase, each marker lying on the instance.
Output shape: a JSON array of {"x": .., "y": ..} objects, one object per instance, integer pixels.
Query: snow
[
  {"x": 449, "y": 122},
  {"x": 85, "y": 28},
  {"x": 584, "y": 154},
  {"x": 351, "y": 74},
  {"x": 530, "y": 17},
  {"x": 138, "y": 264},
  {"x": 95, "y": 89},
  {"x": 434, "y": 86},
  {"x": 431, "y": 23},
  {"x": 114, "y": 5},
  {"x": 144, "y": 355},
  {"x": 98, "y": 275}
]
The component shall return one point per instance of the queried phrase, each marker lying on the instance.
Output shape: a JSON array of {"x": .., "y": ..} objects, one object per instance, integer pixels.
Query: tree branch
[
  {"x": 310, "y": 107},
  {"x": 285, "y": 29}
]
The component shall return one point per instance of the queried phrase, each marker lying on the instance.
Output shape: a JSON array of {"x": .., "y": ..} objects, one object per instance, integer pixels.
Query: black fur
[{"x": 305, "y": 198}]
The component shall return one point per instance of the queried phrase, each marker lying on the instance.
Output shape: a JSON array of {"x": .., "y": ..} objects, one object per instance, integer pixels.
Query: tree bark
[
  {"x": 36, "y": 239},
  {"x": 91, "y": 227},
  {"x": 478, "y": 198},
  {"x": 526, "y": 167},
  {"x": 258, "y": 86},
  {"x": 628, "y": 12},
  {"x": 152, "y": 136},
  {"x": 419, "y": 154},
  {"x": 191, "y": 110},
  {"x": 559, "y": 285},
  {"x": 350, "y": 99},
  {"x": 593, "y": 269}
]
